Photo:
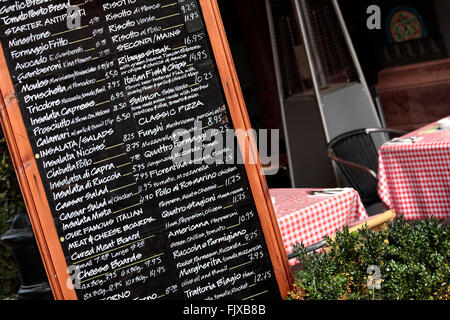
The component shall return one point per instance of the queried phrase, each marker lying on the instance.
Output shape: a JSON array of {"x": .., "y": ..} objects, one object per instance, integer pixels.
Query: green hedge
[
  {"x": 412, "y": 260},
  {"x": 11, "y": 203}
]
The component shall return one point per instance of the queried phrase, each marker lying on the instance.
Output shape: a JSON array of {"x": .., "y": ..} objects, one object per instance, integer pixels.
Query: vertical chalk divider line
[
  {"x": 240, "y": 120},
  {"x": 32, "y": 189}
]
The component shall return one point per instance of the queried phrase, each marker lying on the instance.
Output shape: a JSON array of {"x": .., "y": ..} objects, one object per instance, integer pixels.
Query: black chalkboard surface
[{"x": 105, "y": 105}]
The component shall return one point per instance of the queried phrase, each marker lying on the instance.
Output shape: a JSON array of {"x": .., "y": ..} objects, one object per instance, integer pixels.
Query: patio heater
[{"x": 321, "y": 86}]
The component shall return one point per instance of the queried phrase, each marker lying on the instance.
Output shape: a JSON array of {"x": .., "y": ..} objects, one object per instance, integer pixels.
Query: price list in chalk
[{"x": 101, "y": 104}]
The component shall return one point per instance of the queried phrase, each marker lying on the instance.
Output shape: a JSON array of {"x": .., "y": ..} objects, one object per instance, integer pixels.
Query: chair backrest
[{"x": 357, "y": 146}]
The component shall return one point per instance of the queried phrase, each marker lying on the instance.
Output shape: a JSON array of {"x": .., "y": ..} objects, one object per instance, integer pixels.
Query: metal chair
[{"x": 356, "y": 155}]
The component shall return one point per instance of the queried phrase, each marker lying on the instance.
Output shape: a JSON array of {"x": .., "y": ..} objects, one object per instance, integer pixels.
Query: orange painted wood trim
[
  {"x": 425, "y": 74},
  {"x": 35, "y": 198},
  {"x": 240, "y": 119},
  {"x": 32, "y": 188}
]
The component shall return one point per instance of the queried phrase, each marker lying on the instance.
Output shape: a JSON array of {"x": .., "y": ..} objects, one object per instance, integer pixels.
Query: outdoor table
[
  {"x": 414, "y": 173},
  {"x": 304, "y": 217}
]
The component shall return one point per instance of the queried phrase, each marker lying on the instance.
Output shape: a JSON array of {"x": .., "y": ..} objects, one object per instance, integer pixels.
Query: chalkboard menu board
[{"x": 107, "y": 89}]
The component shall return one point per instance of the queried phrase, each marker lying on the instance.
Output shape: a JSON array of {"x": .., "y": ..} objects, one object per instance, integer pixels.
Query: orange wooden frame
[
  {"x": 240, "y": 119},
  {"x": 33, "y": 190}
]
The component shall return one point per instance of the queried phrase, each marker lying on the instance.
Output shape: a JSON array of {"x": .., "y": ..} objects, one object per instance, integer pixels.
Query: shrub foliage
[
  {"x": 11, "y": 203},
  {"x": 413, "y": 260}
]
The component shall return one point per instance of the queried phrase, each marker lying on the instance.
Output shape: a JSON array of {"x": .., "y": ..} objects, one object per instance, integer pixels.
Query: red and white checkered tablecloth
[
  {"x": 305, "y": 218},
  {"x": 414, "y": 177}
]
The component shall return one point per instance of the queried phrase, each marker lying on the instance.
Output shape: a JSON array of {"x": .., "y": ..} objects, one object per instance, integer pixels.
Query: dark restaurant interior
[{"x": 409, "y": 81}]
